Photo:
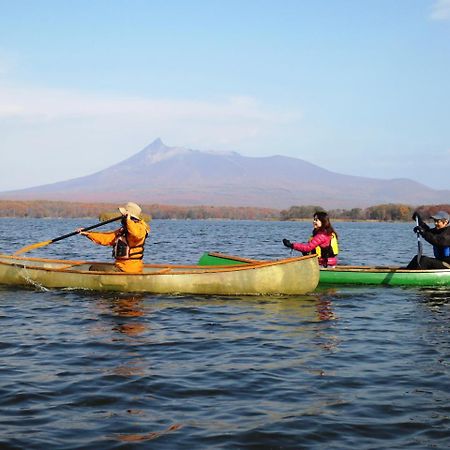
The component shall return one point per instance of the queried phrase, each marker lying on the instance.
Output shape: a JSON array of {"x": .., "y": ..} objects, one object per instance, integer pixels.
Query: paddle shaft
[
  {"x": 419, "y": 244},
  {"x": 85, "y": 229},
  {"x": 59, "y": 238}
]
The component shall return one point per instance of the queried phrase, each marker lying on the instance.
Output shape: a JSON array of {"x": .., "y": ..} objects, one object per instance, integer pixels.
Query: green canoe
[
  {"x": 289, "y": 276},
  {"x": 378, "y": 275}
]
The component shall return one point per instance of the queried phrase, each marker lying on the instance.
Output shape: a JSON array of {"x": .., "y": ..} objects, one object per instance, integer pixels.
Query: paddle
[
  {"x": 419, "y": 244},
  {"x": 44, "y": 243}
]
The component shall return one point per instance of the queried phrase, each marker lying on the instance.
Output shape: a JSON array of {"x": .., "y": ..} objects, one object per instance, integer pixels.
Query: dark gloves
[
  {"x": 419, "y": 230},
  {"x": 418, "y": 218},
  {"x": 288, "y": 243}
]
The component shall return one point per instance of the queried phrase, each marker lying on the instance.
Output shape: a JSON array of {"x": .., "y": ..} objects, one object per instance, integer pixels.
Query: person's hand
[
  {"x": 417, "y": 216},
  {"x": 419, "y": 230},
  {"x": 80, "y": 231},
  {"x": 123, "y": 220},
  {"x": 288, "y": 243}
]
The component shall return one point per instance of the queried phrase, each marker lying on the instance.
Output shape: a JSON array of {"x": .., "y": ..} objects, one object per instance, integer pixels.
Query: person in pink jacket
[{"x": 323, "y": 242}]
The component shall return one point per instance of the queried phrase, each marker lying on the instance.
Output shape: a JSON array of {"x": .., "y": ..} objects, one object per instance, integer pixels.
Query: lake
[{"x": 347, "y": 367}]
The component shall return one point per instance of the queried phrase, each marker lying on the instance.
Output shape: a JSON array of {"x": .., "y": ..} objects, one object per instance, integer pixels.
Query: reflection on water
[
  {"x": 129, "y": 307},
  {"x": 314, "y": 307},
  {"x": 436, "y": 296},
  {"x": 325, "y": 310},
  {"x": 147, "y": 436},
  {"x": 127, "y": 317},
  {"x": 122, "y": 313}
]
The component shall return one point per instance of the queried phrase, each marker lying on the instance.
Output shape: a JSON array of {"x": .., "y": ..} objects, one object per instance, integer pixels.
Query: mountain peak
[
  {"x": 155, "y": 152},
  {"x": 157, "y": 144}
]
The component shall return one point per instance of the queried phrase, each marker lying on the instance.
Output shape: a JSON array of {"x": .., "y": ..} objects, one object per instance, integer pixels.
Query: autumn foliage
[
  {"x": 385, "y": 212},
  {"x": 38, "y": 209}
]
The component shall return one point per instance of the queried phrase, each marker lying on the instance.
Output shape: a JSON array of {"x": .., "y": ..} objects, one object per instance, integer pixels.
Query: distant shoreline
[{"x": 41, "y": 209}]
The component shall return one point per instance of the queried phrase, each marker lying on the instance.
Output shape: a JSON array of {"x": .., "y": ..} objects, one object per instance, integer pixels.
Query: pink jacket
[{"x": 322, "y": 240}]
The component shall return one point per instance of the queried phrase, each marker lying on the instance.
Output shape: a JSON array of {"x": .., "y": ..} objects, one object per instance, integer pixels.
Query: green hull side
[
  {"x": 209, "y": 260},
  {"x": 388, "y": 276}
]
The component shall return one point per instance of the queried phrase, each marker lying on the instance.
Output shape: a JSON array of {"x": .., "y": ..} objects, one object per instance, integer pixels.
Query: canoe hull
[
  {"x": 390, "y": 276},
  {"x": 357, "y": 275},
  {"x": 286, "y": 277}
]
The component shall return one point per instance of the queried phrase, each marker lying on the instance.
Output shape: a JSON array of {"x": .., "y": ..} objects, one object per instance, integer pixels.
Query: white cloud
[
  {"x": 53, "y": 104},
  {"x": 440, "y": 10},
  {"x": 82, "y": 132},
  {"x": 226, "y": 121}
]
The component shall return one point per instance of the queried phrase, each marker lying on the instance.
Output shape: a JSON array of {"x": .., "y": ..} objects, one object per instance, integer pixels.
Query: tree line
[
  {"x": 41, "y": 209},
  {"x": 384, "y": 212},
  {"x": 44, "y": 208}
]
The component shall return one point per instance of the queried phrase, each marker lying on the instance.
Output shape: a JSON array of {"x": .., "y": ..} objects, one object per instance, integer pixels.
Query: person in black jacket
[{"x": 438, "y": 237}]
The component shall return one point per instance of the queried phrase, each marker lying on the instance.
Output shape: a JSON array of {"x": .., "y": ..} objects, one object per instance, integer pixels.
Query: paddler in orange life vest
[
  {"x": 323, "y": 242},
  {"x": 127, "y": 241}
]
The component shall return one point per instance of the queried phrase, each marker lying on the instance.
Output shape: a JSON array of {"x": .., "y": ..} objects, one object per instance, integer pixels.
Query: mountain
[{"x": 180, "y": 176}]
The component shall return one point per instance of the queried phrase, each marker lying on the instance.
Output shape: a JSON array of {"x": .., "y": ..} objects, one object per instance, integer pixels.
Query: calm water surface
[{"x": 363, "y": 367}]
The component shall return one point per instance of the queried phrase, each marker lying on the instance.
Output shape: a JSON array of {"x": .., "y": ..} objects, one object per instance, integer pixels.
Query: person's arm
[
  {"x": 320, "y": 239},
  {"x": 102, "y": 238},
  {"x": 441, "y": 239}
]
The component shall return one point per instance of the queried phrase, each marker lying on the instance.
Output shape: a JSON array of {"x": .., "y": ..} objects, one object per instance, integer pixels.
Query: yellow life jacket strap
[{"x": 332, "y": 248}]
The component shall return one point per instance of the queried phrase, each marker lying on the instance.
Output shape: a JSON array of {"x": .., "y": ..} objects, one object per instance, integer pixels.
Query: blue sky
[{"x": 360, "y": 87}]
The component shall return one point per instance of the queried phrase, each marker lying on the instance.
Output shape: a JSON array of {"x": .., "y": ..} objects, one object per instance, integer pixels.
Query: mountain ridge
[{"x": 182, "y": 176}]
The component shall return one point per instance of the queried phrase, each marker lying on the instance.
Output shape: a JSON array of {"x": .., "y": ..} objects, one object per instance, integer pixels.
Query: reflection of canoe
[
  {"x": 381, "y": 275},
  {"x": 287, "y": 276}
]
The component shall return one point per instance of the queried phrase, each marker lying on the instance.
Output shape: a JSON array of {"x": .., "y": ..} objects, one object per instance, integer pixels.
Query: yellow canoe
[{"x": 290, "y": 276}]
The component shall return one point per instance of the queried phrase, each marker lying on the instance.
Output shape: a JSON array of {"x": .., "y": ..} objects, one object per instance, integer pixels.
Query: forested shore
[{"x": 59, "y": 209}]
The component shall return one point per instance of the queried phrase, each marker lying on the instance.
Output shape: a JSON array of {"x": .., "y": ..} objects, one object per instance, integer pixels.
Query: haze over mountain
[{"x": 181, "y": 176}]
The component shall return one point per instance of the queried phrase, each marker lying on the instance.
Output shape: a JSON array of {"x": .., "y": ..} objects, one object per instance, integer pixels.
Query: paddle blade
[{"x": 31, "y": 247}]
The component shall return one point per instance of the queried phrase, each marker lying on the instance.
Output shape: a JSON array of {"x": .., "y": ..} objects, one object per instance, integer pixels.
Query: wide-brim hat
[
  {"x": 132, "y": 209},
  {"x": 441, "y": 215}
]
